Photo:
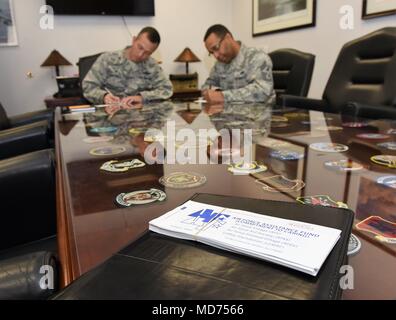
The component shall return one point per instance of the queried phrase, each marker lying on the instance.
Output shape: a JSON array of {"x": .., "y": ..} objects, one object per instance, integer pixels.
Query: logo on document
[{"x": 207, "y": 217}]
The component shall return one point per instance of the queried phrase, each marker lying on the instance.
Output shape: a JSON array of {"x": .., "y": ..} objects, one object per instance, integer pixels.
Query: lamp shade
[
  {"x": 187, "y": 56},
  {"x": 55, "y": 59}
]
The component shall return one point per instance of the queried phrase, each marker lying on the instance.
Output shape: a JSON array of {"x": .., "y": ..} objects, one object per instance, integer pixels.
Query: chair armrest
[
  {"x": 360, "y": 110},
  {"x": 31, "y": 117},
  {"x": 303, "y": 103},
  {"x": 24, "y": 139},
  {"x": 31, "y": 276}
]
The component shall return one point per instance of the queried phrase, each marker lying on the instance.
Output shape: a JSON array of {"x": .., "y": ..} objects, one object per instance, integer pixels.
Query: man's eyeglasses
[{"x": 216, "y": 47}]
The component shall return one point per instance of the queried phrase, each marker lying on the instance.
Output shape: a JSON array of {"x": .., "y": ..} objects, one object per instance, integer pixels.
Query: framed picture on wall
[
  {"x": 378, "y": 8},
  {"x": 8, "y": 35},
  {"x": 271, "y": 16}
]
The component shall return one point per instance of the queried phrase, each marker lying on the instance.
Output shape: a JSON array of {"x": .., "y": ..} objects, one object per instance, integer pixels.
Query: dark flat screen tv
[{"x": 103, "y": 7}]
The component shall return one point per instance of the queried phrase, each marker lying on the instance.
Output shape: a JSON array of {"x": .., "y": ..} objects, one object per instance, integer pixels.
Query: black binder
[{"x": 165, "y": 268}]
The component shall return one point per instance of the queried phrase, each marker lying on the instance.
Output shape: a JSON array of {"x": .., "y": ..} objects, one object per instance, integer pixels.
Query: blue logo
[{"x": 205, "y": 217}]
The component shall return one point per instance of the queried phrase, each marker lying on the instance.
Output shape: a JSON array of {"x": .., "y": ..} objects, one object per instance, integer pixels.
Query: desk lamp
[{"x": 187, "y": 56}]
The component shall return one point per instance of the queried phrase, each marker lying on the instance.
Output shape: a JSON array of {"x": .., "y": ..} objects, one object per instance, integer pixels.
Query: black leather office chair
[
  {"x": 25, "y": 133},
  {"x": 363, "y": 80},
  {"x": 28, "y": 226},
  {"x": 25, "y": 118},
  {"x": 85, "y": 64},
  {"x": 24, "y": 139},
  {"x": 292, "y": 71}
]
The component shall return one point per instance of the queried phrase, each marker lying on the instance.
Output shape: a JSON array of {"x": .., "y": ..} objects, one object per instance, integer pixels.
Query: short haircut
[
  {"x": 152, "y": 34},
  {"x": 218, "y": 29}
]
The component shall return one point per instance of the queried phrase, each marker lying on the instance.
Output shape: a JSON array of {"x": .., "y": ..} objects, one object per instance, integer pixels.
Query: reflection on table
[{"x": 206, "y": 139}]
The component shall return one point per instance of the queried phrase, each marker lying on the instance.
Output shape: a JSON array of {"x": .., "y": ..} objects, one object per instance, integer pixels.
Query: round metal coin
[
  {"x": 140, "y": 197},
  {"x": 107, "y": 151},
  {"x": 344, "y": 165},
  {"x": 182, "y": 180},
  {"x": 355, "y": 124},
  {"x": 286, "y": 155},
  {"x": 387, "y": 145},
  {"x": 122, "y": 166},
  {"x": 247, "y": 168},
  {"x": 354, "y": 245},
  {"x": 372, "y": 136},
  {"x": 98, "y": 139},
  {"x": 103, "y": 129},
  {"x": 328, "y": 147},
  {"x": 328, "y": 128},
  {"x": 389, "y": 181},
  {"x": 385, "y": 160}
]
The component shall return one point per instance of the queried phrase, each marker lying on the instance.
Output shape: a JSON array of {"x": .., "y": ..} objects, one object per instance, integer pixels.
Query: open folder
[
  {"x": 161, "y": 267},
  {"x": 323, "y": 261}
]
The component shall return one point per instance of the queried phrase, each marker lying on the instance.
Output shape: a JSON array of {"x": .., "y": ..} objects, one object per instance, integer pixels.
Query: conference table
[{"x": 323, "y": 154}]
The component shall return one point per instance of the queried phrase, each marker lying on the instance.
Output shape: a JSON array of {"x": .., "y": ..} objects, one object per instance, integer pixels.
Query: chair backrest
[
  {"x": 28, "y": 206},
  {"x": 365, "y": 71},
  {"x": 292, "y": 71},
  {"x": 4, "y": 121},
  {"x": 85, "y": 64}
]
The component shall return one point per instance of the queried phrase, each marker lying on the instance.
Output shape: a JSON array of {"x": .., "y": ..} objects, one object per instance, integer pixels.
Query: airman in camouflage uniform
[
  {"x": 242, "y": 74},
  {"x": 128, "y": 76}
]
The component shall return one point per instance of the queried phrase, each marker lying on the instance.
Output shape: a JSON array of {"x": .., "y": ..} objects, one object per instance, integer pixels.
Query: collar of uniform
[{"x": 238, "y": 60}]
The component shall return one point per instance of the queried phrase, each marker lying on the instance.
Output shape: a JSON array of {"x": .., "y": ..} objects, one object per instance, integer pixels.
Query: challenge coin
[
  {"x": 343, "y": 165},
  {"x": 372, "y": 136},
  {"x": 286, "y": 155},
  {"x": 328, "y": 128},
  {"x": 328, "y": 147},
  {"x": 181, "y": 180},
  {"x": 354, "y": 245},
  {"x": 322, "y": 200},
  {"x": 385, "y": 160},
  {"x": 107, "y": 151},
  {"x": 247, "y": 168},
  {"x": 389, "y": 181},
  {"x": 355, "y": 124},
  {"x": 280, "y": 183},
  {"x": 122, "y": 166},
  {"x": 98, "y": 139},
  {"x": 387, "y": 145},
  {"x": 103, "y": 129},
  {"x": 140, "y": 197}
]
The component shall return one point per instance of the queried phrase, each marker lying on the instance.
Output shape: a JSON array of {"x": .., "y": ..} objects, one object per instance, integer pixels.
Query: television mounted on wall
[{"x": 103, "y": 7}]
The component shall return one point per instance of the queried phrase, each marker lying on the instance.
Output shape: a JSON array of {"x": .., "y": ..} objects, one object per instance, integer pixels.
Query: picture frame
[
  {"x": 8, "y": 34},
  {"x": 270, "y": 16},
  {"x": 378, "y": 8}
]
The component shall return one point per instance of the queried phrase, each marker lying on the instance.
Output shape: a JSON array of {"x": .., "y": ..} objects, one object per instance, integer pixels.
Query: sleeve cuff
[{"x": 227, "y": 96}]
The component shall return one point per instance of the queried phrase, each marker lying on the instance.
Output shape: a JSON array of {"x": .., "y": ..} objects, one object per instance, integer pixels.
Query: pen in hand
[{"x": 110, "y": 98}]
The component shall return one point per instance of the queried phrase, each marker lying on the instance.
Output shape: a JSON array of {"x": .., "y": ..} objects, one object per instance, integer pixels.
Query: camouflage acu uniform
[
  {"x": 123, "y": 77},
  {"x": 247, "y": 78}
]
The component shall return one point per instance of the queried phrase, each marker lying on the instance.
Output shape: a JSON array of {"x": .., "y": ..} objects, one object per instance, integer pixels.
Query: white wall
[
  {"x": 181, "y": 23},
  {"x": 324, "y": 40}
]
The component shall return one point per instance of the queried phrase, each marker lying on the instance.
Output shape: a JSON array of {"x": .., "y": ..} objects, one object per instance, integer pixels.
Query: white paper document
[{"x": 294, "y": 244}]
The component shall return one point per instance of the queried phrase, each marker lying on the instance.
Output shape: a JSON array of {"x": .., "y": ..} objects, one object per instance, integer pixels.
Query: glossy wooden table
[{"x": 91, "y": 227}]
